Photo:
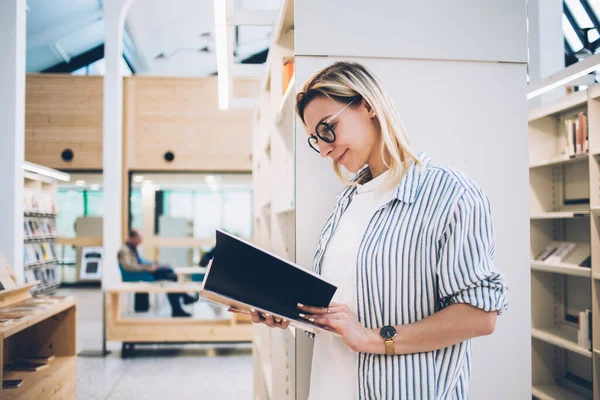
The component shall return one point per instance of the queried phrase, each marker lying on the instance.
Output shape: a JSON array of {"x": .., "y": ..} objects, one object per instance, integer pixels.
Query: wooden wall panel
[
  {"x": 64, "y": 111},
  {"x": 181, "y": 115}
]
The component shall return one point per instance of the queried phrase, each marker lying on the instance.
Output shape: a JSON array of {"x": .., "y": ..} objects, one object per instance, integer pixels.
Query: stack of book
[
  {"x": 576, "y": 135},
  {"x": 37, "y": 253},
  {"x": 559, "y": 252},
  {"x": 39, "y": 228}
]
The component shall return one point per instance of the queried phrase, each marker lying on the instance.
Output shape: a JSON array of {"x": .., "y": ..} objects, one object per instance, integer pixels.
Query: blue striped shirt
[{"x": 431, "y": 245}]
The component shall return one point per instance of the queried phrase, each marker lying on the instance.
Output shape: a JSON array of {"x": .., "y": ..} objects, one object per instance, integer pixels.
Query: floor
[{"x": 157, "y": 372}]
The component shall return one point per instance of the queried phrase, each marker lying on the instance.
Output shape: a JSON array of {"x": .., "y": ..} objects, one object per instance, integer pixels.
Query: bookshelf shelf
[
  {"x": 561, "y": 215},
  {"x": 35, "y": 213},
  {"x": 560, "y": 337},
  {"x": 561, "y": 268},
  {"x": 554, "y": 392},
  {"x": 558, "y": 160},
  {"x": 40, "y": 264},
  {"x": 567, "y": 103}
]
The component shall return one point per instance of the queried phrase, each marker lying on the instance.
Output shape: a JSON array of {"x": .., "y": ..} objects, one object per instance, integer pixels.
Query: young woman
[{"x": 410, "y": 246}]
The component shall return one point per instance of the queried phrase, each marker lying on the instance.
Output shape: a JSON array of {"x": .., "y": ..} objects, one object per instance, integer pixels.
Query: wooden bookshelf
[
  {"x": 564, "y": 207},
  {"x": 40, "y": 257},
  {"x": 44, "y": 330}
]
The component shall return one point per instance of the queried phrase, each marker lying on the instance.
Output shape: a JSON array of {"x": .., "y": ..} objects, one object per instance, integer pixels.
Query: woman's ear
[{"x": 369, "y": 109}]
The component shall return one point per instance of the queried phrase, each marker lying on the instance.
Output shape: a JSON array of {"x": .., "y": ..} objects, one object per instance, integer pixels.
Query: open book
[{"x": 242, "y": 276}]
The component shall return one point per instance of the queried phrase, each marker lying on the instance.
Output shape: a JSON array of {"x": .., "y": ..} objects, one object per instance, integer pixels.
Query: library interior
[{"x": 245, "y": 192}]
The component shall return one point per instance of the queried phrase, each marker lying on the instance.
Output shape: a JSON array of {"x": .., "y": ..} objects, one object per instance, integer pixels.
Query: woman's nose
[{"x": 325, "y": 148}]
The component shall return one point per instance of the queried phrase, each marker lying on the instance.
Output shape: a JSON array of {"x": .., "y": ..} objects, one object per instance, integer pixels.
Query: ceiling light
[
  {"x": 79, "y": 183},
  {"x": 138, "y": 179},
  {"x": 49, "y": 172},
  {"x": 569, "y": 74},
  {"x": 94, "y": 187},
  {"x": 220, "y": 7}
]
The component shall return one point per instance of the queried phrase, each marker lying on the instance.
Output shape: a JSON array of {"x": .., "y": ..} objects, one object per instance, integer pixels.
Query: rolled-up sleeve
[{"x": 467, "y": 273}]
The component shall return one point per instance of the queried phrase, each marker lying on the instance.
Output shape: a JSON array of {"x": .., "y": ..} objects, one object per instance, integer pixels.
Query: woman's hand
[
  {"x": 265, "y": 318},
  {"x": 338, "y": 318}
]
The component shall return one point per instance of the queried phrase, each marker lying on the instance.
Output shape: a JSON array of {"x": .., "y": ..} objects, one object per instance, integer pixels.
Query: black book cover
[{"x": 249, "y": 275}]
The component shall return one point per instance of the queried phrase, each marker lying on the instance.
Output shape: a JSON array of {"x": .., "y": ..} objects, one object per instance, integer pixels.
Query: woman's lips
[{"x": 340, "y": 158}]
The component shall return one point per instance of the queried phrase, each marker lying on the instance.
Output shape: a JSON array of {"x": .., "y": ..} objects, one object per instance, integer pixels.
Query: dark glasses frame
[{"x": 313, "y": 140}]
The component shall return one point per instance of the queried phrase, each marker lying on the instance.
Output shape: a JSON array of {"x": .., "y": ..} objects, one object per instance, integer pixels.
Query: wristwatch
[{"x": 388, "y": 333}]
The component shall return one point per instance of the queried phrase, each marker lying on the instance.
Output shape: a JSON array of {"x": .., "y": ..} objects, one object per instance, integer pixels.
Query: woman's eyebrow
[{"x": 324, "y": 118}]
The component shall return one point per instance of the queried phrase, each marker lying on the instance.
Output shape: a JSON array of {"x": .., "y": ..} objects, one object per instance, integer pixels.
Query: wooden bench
[{"x": 135, "y": 330}]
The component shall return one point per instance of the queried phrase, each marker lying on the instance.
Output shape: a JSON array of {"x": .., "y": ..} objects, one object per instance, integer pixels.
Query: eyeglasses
[{"x": 324, "y": 131}]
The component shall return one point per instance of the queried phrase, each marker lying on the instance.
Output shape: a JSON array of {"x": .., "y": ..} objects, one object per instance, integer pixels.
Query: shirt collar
[{"x": 407, "y": 189}]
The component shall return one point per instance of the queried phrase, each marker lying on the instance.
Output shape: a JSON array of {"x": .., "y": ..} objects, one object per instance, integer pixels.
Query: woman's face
[{"x": 356, "y": 129}]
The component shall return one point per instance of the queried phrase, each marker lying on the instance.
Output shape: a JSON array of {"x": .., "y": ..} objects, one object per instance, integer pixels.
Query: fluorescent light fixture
[
  {"x": 45, "y": 171},
  {"x": 79, "y": 183},
  {"x": 222, "y": 52},
  {"x": 138, "y": 179},
  {"x": 569, "y": 74},
  {"x": 94, "y": 187}
]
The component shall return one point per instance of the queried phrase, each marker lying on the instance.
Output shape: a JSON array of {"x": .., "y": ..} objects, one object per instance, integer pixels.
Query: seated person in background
[{"x": 130, "y": 259}]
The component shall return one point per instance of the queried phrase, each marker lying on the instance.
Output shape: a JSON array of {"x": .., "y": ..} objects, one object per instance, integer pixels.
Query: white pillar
[
  {"x": 114, "y": 22},
  {"x": 546, "y": 44},
  {"x": 12, "y": 130}
]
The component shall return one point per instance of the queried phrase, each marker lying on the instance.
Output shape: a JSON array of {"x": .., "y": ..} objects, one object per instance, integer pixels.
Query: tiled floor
[{"x": 157, "y": 372}]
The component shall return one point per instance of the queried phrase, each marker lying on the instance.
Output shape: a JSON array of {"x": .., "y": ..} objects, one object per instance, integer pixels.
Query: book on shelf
[
  {"x": 576, "y": 133},
  {"x": 565, "y": 252},
  {"x": 24, "y": 366},
  {"x": 584, "y": 334},
  {"x": 11, "y": 383},
  {"x": 39, "y": 359},
  {"x": 273, "y": 285},
  {"x": 288, "y": 72},
  {"x": 29, "y": 276}
]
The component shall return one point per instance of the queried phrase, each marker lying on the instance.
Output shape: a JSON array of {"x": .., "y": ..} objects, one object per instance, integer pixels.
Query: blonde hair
[{"x": 346, "y": 82}]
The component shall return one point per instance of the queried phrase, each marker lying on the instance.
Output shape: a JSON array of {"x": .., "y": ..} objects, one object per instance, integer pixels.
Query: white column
[
  {"x": 12, "y": 130},
  {"x": 546, "y": 44},
  {"x": 114, "y": 22}
]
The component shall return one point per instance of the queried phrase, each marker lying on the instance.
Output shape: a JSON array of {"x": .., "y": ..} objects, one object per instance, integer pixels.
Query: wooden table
[{"x": 133, "y": 330}]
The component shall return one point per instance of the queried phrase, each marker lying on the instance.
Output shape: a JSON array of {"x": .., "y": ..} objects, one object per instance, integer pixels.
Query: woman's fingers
[
  {"x": 284, "y": 324},
  {"x": 312, "y": 310},
  {"x": 269, "y": 320},
  {"x": 256, "y": 318}
]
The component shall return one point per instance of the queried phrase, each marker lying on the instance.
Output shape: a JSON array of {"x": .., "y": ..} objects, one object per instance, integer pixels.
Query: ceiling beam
[
  {"x": 72, "y": 24},
  {"x": 574, "y": 24},
  {"x": 590, "y": 12}
]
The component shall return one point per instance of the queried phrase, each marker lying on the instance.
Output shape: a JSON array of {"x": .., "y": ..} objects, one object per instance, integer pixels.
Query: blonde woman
[{"x": 410, "y": 246}]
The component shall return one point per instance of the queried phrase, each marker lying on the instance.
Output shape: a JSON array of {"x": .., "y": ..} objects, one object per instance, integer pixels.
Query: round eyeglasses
[{"x": 324, "y": 131}]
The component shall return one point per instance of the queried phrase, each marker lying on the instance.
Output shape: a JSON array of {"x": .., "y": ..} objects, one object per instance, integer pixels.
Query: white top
[{"x": 334, "y": 365}]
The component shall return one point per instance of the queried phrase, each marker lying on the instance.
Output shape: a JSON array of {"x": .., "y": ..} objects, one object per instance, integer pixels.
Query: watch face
[{"x": 387, "y": 332}]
